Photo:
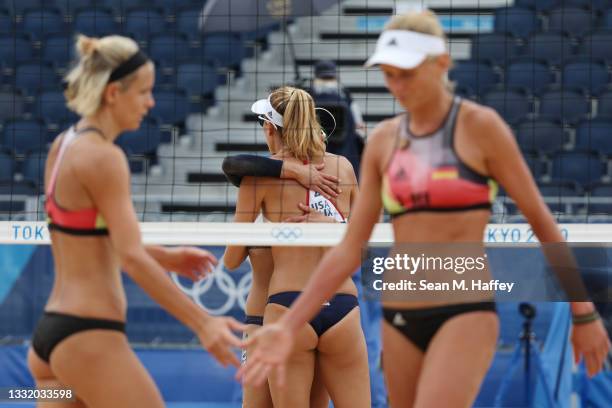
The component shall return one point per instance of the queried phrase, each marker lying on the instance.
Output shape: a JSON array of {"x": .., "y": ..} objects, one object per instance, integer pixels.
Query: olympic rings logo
[
  {"x": 286, "y": 233},
  {"x": 218, "y": 280}
]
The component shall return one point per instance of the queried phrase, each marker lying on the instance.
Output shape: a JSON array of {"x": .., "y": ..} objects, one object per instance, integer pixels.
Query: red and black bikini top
[
  {"x": 426, "y": 174},
  {"x": 85, "y": 222}
]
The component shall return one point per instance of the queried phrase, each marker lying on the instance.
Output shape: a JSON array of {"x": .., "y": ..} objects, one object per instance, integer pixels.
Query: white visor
[
  {"x": 264, "y": 108},
  {"x": 405, "y": 49}
]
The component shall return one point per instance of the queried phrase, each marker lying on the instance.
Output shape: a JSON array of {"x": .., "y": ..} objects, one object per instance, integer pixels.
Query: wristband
[{"x": 585, "y": 318}]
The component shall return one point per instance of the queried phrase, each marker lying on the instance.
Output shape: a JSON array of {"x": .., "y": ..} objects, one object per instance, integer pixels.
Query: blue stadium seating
[
  {"x": 187, "y": 22},
  {"x": 531, "y": 77},
  {"x": 564, "y": 106},
  {"x": 41, "y": 22},
  {"x": 226, "y": 49},
  {"x": 592, "y": 77},
  {"x": 538, "y": 5},
  {"x": 199, "y": 80},
  {"x": 559, "y": 190},
  {"x": 595, "y": 134},
  {"x": 171, "y": 107},
  {"x": 513, "y": 106},
  {"x": 604, "y": 106},
  {"x": 95, "y": 22},
  {"x": 70, "y": 7},
  {"x": 58, "y": 49},
  {"x": 12, "y": 105},
  {"x": 34, "y": 168},
  {"x": 516, "y": 21},
  {"x": 7, "y": 166},
  {"x": 570, "y": 20},
  {"x": 21, "y": 135},
  {"x": 141, "y": 23},
  {"x": 535, "y": 164},
  {"x": 600, "y": 191},
  {"x": 6, "y": 22},
  {"x": 493, "y": 48},
  {"x": 550, "y": 48},
  {"x": 607, "y": 20},
  {"x": 142, "y": 141},
  {"x": 474, "y": 75},
  {"x": 541, "y": 136},
  {"x": 15, "y": 49},
  {"x": 17, "y": 7},
  {"x": 597, "y": 47},
  {"x": 169, "y": 49},
  {"x": 581, "y": 167},
  {"x": 124, "y": 6},
  {"x": 51, "y": 106},
  {"x": 33, "y": 77}
]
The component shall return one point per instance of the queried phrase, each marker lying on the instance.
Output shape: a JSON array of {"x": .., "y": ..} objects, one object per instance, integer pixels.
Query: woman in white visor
[
  {"x": 333, "y": 341},
  {"x": 435, "y": 170}
]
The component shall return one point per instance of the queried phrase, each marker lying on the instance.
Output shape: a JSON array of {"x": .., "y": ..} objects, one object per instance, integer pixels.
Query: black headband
[{"x": 126, "y": 68}]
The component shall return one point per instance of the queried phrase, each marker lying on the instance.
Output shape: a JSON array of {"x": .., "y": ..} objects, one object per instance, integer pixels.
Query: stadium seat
[
  {"x": 141, "y": 144},
  {"x": 550, "y": 48},
  {"x": 33, "y": 77},
  {"x": 15, "y": 49},
  {"x": 6, "y": 22},
  {"x": 227, "y": 50},
  {"x": 95, "y": 22},
  {"x": 555, "y": 192},
  {"x": 583, "y": 168},
  {"x": 595, "y": 134},
  {"x": 122, "y": 7},
  {"x": 41, "y": 22},
  {"x": 187, "y": 22},
  {"x": 493, "y": 48},
  {"x": 22, "y": 136},
  {"x": 607, "y": 20},
  {"x": 141, "y": 23},
  {"x": 592, "y": 77},
  {"x": 516, "y": 21},
  {"x": 604, "y": 105},
  {"x": 535, "y": 164},
  {"x": 596, "y": 47},
  {"x": 70, "y": 7},
  {"x": 474, "y": 75},
  {"x": 171, "y": 107},
  {"x": 199, "y": 80},
  {"x": 51, "y": 106},
  {"x": 18, "y": 7},
  {"x": 538, "y": 5},
  {"x": 12, "y": 105},
  {"x": 7, "y": 166},
  {"x": 541, "y": 136},
  {"x": 572, "y": 21},
  {"x": 531, "y": 77},
  {"x": 34, "y": 168},
  {"x": 564, "y": 106},
  {"x": 513, "y": 106},
  {"x": 58, "y": 49},
  {"x": 600, "y": 191},
  {"x": 169, "y": 49}
]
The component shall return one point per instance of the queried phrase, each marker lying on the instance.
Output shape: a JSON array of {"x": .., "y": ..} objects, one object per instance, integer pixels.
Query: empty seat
[
  {"x": 550, "y": 48},
  {"x": 581, "y": 167},
  {"x": 532, "y": 77},
  {"x": 187, "y": 22},
  {"x": 539, "y": 135},
  {"x": 171, "y": 107},
  {"x": 51, "y": 106},
  {"x": 516, "y": 21},
  {"x": 33, "y": 77},
  {"x": 493, "y": 48},
  {"x": 555, "y": 192},
  {"x": 34, "y": 168},
  {"x": 142, "y": 141},
  {"x": 226, "y": 49},
  {"x": 597, "y": 47},
  {"x": 511, "y": 105},
  {"x": 538, "y": 5},
  {"x": 41, "y": 22},
  {"x": 199, "y": 80},
  {"x": 15, "y": 48},
  {"x": 595, "y": 134},
  {"x": 6, "y": 22},
  {"x": 124, "y": 6},
  {"x": 591, "y": 77},
  {"x": 18, "y": 7},
  {"x": 70, "y": 7},
  {"x": 168, "y": 49},
  {"x": 142, "y": 23},
  {"x": 535, "y": 164},
  {"x": 564, "y": 106},
  {"x": 602, "y": 199},
  {"x": 604, "y": 106},
  {"x": 58, "y": 49},
  {"x": 12, "y": 105},
  {"x": 607, "y": 20},
  {"x": 474, "y": 75},
  {"x": 95, "y": 22},
  {"x": 21, "y": 135},
  {"x": 570, "y": 20},
  {"x": 7, "y": 166}
]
